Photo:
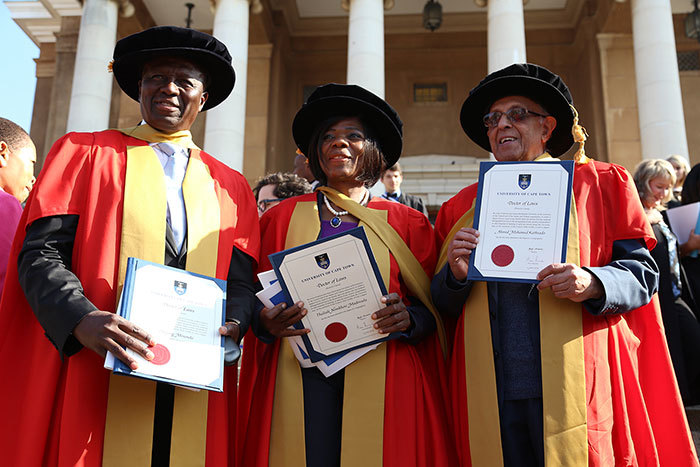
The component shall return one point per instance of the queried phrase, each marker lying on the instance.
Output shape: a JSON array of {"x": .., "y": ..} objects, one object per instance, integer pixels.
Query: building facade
[{"x": 633, "y": 73}]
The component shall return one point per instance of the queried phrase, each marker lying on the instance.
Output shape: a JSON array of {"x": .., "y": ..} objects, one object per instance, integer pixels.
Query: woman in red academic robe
[{"x": 386, "y": 408}]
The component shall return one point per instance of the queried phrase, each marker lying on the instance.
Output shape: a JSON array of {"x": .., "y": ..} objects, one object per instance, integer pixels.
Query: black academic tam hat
[
  {"x": 349, "y": 100},
  {"x": 527, "y": 80},
  {"x": 132, "y": 52}
]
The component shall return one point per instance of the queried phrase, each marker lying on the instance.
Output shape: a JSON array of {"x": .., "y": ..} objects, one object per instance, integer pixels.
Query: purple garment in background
[
  {"x": 327, "y": 229},
  {"x": 10, "y": 212}
]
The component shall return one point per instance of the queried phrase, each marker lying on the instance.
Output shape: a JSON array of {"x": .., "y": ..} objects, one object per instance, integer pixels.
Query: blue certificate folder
[
  {"x": 179, "y": 289},
  {"x": 520, "y": 185},
  {"x": 277, "y": 259}
]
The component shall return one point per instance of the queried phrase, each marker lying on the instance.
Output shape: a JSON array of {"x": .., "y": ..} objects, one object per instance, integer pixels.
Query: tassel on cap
[{"x": 580, "y": 135}]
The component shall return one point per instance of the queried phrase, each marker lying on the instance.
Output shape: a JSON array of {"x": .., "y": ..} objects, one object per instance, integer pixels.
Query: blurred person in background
[
  {"x": 302, "y": 169},
  {"x": 689, "y": 251},
  {"x": 681, "y": 167},
  {"x": 655, "y": 180},
  {"x": 271, "y": 189},
  {"x": 392, "y": 179}
]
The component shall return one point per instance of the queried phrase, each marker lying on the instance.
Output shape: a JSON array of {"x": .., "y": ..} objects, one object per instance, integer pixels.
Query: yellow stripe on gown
[
  {"x": 563, "y": 371},
  {"x": 131, "y": 401}
]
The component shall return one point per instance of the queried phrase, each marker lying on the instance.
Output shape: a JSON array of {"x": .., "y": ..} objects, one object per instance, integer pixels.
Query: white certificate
[
  {"x": 522, "y": 215},
  {"x": 339, "y": 283},
  {"x": 684, "y": 219},
  {"x": 183, "y": 312}
]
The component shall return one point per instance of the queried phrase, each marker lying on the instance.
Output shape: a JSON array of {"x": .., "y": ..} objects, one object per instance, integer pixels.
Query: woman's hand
[
  {"x": 691, "y": 245},
  {"x": 394, "y": 317},
  {"x": 459, "y": 251},
  {"x": 278, "y": 320}
]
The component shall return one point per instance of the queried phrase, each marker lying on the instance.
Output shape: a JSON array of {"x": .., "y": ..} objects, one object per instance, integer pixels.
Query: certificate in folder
[
  {"x": 339, "y": 282},
  {"x": 272, "y": 295},
  {"x": 522, "y": 215},
  {"x": 183, "y": 312}
]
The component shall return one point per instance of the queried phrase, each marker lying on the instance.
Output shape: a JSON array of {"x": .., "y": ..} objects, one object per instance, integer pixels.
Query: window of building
[
  {"x": 688, "y": 61},
  {"x": 430, "y": 92}
]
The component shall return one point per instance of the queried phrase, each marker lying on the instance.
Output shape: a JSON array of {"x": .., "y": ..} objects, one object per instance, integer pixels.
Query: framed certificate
[
  {"x": 522, "y": 215},
  {"x": 339, "y": 282},
  {"x": 183, "y": 312}
]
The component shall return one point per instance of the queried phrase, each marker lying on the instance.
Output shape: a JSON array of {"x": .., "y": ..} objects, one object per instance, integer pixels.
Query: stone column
[
  {"x": 66, "y": 45},
  {"x": 661, "y": 121},
  {"x": 366, "y": 45},
  {"x": 225, "y": 125},
  {"x": 506, "y": 34},
  {"x": 45, "y": 71},
  {"x": 92, "y": 82},
  {"x": 257, "y": 112}
]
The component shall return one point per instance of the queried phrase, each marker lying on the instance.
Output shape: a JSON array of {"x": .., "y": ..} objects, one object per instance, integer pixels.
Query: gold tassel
[
  {"x": 580, "y": 134},
  {"x": 110, "y": 65}
]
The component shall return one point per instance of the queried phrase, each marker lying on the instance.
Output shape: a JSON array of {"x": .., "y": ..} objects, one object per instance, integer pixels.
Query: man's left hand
[
  {"x": 568, "y": 280},
  {"x": 230, "y": 329}
]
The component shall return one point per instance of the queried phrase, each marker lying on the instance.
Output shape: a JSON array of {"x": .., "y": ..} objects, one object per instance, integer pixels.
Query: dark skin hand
[
  {"x": 279, "y": 319},
  {"x": 102, "y": 331},
  {"x": 230, "y": 329},
  {"x": 392, "y": 318}
]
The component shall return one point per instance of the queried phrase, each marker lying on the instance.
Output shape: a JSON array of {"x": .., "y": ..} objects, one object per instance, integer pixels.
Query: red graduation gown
[
  {"x": 54, "y": 409},
  {"x": 415, "y": 427},
  {"x": 634, "y": 412}
]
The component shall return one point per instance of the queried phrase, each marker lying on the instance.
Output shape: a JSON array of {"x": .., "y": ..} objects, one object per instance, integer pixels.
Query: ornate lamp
[
  {"x": 692, "y": 23},
  {"x": 432, "y": 15}
]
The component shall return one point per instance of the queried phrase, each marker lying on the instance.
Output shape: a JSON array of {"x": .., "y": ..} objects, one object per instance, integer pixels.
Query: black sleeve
[
  {"x": 260, "y": 331},
  {"x": 54, "y": 293},
  {"x": 629, "y": 280},
  {"x": 422, "y": 322},
  {"x": 240, "y": 293},
  {"x": 449, "y": 294}
]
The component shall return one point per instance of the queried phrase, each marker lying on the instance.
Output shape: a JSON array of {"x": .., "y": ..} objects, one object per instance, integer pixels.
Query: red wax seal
[
  {"x": 336, "y": 332},
  {"x": 502, "y": 255},
  {"x": 161, "y": 354}
]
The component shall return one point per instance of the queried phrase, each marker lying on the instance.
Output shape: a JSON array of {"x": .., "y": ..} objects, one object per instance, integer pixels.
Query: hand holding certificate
[
  {"x": 338, "y": 282},
  {"x": 522, "y": 215},
  {"x": 184, "y": 312}
]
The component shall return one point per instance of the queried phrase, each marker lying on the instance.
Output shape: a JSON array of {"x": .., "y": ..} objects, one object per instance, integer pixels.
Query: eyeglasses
[
  {"x": 514, "y": 115},
  {"x": 264, "y": 204}
]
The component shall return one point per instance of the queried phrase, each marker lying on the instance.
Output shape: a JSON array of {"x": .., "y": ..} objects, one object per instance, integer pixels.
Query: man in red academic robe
[
  {"x": 147, "y": 192},
  {"x": 576, "y": 370}
]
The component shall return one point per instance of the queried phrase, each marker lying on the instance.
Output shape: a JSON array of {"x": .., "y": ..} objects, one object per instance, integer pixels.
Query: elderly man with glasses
[{"x": 574, "y": 370}]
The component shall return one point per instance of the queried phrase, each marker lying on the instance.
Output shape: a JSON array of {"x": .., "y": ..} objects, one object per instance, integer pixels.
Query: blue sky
[{"x": 18, "y": 77}]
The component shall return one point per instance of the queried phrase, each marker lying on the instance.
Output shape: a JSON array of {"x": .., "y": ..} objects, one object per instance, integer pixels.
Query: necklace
[{"x": 336, "y": 221}]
